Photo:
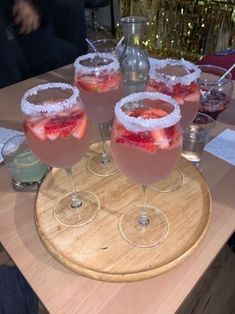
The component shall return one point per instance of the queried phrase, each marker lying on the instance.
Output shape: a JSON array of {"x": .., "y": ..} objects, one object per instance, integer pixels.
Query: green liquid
[{"x": 26, "y": 168}]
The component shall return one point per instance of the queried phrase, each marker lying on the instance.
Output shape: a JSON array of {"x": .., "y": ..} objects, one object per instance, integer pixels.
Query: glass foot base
[
  {"x": 26, "y": 187},
  {"x": 99, "y": 168},
  {"x": 75, "y": 217},
  {"x": 171, "y": 183},
  {"x": 143, "y": 235}
]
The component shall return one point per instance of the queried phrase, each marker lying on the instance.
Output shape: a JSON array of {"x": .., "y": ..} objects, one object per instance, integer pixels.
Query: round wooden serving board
[{"x": 97, "y": 250}]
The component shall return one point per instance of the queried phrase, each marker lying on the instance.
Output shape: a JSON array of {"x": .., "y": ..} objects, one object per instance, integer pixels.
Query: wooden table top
[{"x": 63, "y": 291}]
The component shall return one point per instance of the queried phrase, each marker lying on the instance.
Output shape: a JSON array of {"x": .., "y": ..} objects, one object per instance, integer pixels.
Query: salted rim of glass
[
  {"x": 112, "y": 66},
  {"x": 186, "y": 79},
  {"x": 31, "y": 109},
  {"x": 138, "y": 124}
]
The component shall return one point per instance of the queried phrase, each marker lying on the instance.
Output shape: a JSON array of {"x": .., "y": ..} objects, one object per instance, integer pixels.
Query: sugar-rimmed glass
[
  {"x": 216, "y": 92},
  {"x": 56, "y": 130},
  {"x": 105, "y": 45},
  {"x": 179, "y": 79},
  {"x": 98, "y": 77},
  {"x": 146, "y": 144}
]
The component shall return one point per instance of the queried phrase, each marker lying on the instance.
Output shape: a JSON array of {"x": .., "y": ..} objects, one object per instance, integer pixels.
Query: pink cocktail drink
[
  {"x": 99, "y": 79},
  {"x": 56, "y": 130},
  {"x": 57, "y": 135},
  {"x": 146, "y": 144},
  {"x": 179, "y": 79},
  {"x": 146, "y": 156}
]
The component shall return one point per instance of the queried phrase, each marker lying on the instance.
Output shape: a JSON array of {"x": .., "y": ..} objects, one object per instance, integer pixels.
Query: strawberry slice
[
  {"x": 153, "y": 113},
  {"x": 88, "y": 82},
  {"x": 38, "y": 128},
  {"x": 102, "y": 83},
  {"x": 81, "y": 128},
  {"x": 184, "y": 91},
  {"x": 111, "y": 82},
  {"x": 160, "y": 138},
  {"x": 62, "y": 125},
  {"x": 147, "y": 146},
  {"x": 146, "y": 140},
  {"x": 154, "y": 86},
  {"x": 193, "y": 97},
  {"x": 179, "y": 100},
  {"x": 141, "y": 139},
  {"x": 149, "y": 113}
]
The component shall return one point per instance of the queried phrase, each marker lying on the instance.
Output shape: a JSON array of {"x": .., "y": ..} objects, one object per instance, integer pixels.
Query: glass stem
[
  {"x": 105, "y": 158},
  {"x": 75, "y": 201},
  {"x": 143, "y": 218}
]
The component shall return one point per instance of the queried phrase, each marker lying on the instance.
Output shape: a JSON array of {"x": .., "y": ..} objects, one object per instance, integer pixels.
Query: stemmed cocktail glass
[
  {"x": 56, "y": 130},
  {"x": 104, "y": 45},
  {"x": 216, "y": 89},
  {"x": 146, "y": 144},
  {"x": 179, "y": 79},
  {"x": 98, "y": 77}
]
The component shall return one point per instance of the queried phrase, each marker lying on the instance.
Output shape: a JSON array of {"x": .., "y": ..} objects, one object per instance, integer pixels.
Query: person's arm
[{"x": 46, "y": 7}]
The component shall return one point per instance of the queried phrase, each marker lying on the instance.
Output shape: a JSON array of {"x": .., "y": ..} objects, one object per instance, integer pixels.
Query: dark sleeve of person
[
  {"x": 46, "y": 9},
  {"x": 70, "y": 22},
  {"x": 16, "y": 296}
]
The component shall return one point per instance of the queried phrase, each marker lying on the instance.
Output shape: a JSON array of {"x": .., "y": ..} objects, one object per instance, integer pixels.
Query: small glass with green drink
[{"x": 25, "y": 169}]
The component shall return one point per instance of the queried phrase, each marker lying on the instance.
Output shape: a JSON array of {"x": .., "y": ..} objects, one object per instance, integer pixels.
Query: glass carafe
[{"x": 134, "y": 59}]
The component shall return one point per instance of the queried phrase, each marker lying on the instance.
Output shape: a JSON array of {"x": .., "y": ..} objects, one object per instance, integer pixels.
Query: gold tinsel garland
[{"x": 187, "y": 28}]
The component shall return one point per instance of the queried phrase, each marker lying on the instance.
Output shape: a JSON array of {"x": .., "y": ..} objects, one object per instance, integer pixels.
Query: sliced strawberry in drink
[
  {"x": 77, "y": 114},
  {"x": 52, "y": 128},
  {"x": 193, "y": 87},
  {"x": 182, "y": 92},
  {"x": 186, "y": 93},
  {"x": 160, "y": 138},
  {"x": 88, "y": 82},
  {"x": 102, "y": 83},
  {"x": 110, "y": 82},
  {"x": 62, "y": 126},
  {"x": 81, "y": 127},
  {"x": 149, "y": 113},
  {"x": 149, "y": 140},
  {"x": 37, "y": 127},
  {"x": 52, "y": 136},
  {"x": 141, "y": 139},
  {"x": 193, "y": 97},
  {"x": 153, "y": 113},
  {"x": 68, "y": 129},
  {"x": 179, "y": 100},
  {"x": 154, "y": 86},
  {"x": 147, "y": 146}
]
